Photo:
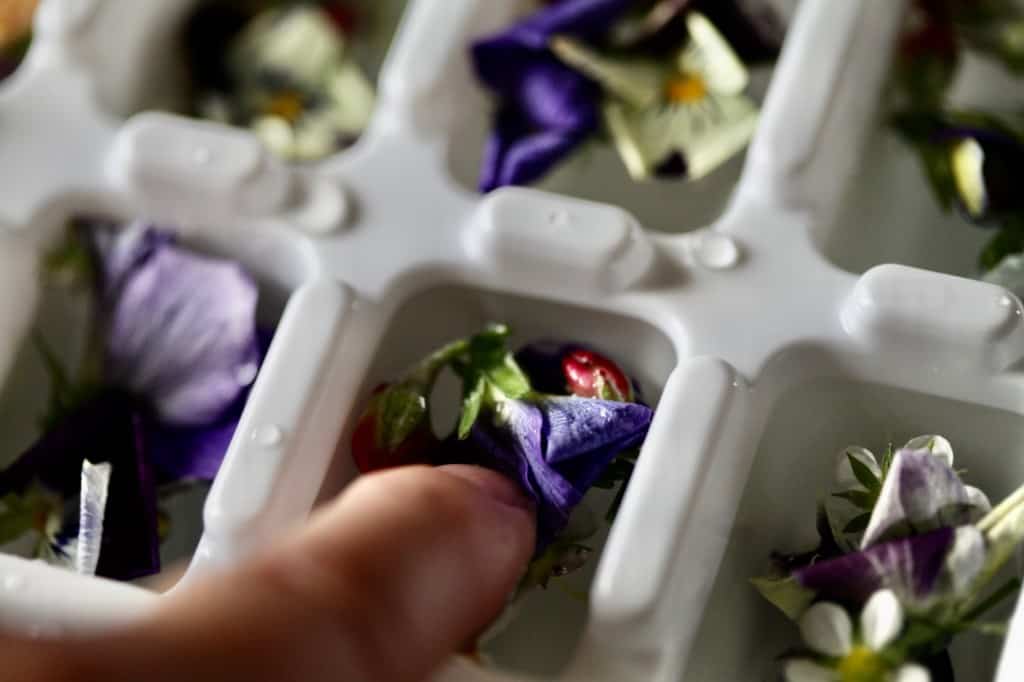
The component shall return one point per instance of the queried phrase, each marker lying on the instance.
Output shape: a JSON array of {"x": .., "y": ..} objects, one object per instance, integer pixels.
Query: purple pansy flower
[
  {"x": 911, "y": 567},
  {"x": 180, "y": 350},
  {"x": 547, "y": 109},
  {"x": 556, "y": 447},
  {"x": 921, "y": 492}
]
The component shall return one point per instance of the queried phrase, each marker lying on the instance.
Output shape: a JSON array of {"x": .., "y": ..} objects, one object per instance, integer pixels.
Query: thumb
[{"x": 382, "y": 585}]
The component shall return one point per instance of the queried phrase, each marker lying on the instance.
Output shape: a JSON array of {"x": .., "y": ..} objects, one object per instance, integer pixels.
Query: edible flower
[
  {"x": 576, "y": 66},
  {"x": 555, "y": 446},
  {"x": 172, "y": 358},
  {"x": 288, "y": 73},
  {"x": 846, "y": 655}
]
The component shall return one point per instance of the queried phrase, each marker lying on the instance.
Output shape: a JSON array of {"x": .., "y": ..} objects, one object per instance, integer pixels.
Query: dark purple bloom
[
  {"x": 556, "y": 448},
  {"x": 546, "y": 109},
  {"x": 911, "y": 567},
  {"x": 542, "y": 362},
  {"x": 109, "y": 428}
]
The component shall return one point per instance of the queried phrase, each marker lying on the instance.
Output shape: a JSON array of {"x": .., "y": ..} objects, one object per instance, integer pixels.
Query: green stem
[
  {"x": 1008, "y": 589},
  {"x": 428, "y": 369},
  {"x": 1001, "y": 511}
]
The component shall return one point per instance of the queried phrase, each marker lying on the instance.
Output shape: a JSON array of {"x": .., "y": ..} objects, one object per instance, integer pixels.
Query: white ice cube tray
[{"x": 764, "y": 355}]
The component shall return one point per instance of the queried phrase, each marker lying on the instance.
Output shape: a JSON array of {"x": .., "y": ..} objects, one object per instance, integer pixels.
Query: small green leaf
[
  {"x": 1006, "y": 242},
  {"x": 859, "y": 498},
  {"x": 858, "y": 523},
  {"x": 508, "y": 378},
  {"x": 786, "y": 594},
  {"x": 403, "y": 410},
  {"x": 471, "y": 405},
  {"x": 864, "y": 475}
]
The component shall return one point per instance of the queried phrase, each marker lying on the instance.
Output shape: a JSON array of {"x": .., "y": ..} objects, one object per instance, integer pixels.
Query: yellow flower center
[
  {"x": 861, "y": 665},
  {"x": 686, "y": 89},
  {"x": 286, "y": 105}
]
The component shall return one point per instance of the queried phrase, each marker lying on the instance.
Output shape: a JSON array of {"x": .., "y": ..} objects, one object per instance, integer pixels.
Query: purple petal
[
  {"x": 106, "y": 429},
  {"x": 183, "y": 334},
  {"x": 553, "y": 96},
  {"x": 121, "y": 251},
  {"x": 921, "y": 492},
  {"x": 184, "y": 453},
  {"x": 500, "y": 58},
  {"x": 556, "y": 449},
  {"x": 582, "y": 426},
  {"x": 530, "y": 158},
  {"x": 910, "y": 566}
]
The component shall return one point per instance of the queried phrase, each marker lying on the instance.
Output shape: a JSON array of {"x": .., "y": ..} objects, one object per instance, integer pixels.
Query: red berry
[{"x": 591, "y": 375}]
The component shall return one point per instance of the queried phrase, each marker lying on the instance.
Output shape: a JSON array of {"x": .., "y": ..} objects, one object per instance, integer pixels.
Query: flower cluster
[
  {"x": 154, "y": 400},
  {"x": 969, "y": 157},
  {"x": 659, "y": 78},
  {"x": 557, "y": 419},
  {"x": 912, "y": 549},
  {"x": 286, "y": 71},
  {"x": 15, "y": 33}
]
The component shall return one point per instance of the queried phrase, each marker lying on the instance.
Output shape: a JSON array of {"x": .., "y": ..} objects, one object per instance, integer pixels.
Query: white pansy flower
[{"x": 848, "y": 655}]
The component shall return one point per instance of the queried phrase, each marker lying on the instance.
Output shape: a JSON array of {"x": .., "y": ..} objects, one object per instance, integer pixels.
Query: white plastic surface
[{"x": 763, "y": 356}]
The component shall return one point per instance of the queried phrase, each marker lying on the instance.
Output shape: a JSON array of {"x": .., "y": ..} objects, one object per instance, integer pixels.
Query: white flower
[{"x": 828, "y": 630}]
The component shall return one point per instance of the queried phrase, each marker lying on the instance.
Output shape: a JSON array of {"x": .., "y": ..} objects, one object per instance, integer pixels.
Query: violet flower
[
  {"x": 180, "y": 349},
  {"x": 556, "y": 447},
  {"x": 921, "y": 492},
  {"x": 546, "y": 109}
]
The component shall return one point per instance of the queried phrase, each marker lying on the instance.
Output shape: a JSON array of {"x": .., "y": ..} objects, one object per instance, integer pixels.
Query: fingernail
[{"x": 492, "y": 484}]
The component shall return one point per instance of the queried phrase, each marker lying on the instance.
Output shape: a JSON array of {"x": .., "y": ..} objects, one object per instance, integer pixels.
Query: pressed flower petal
[
  {"x": 881, "y": 621},
  {"x": 802, "y": 670},
  {"x": 911, "y": 567},
  {"x": 920, "y": 493},
  {"x": 182, "y": 333},
  {"x": 827, "y": 629},
  {"x": 92, "y": 507}
]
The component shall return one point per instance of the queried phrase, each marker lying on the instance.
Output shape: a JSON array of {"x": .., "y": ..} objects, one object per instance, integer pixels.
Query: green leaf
[
  {"x": 508, "y": 378},
  {"x": 864, "y": 475},
  {"x": 859, "y": 498},
  {"x": 403, "y": 410},
  {"x": 786, "y": 594},
  {"x": 472, "y": 402},
  {"x": 858, "y": 523}
]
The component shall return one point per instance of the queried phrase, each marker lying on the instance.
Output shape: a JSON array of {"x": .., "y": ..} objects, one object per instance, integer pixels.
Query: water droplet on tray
[
  {"x": 718, "y": 251},
  {"x": 268, "y": 436}
]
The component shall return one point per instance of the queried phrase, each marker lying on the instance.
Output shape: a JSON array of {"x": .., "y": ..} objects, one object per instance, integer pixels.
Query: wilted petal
[
  {"x": 911, "y": 567},
  {"x": 881, "y": 621},
  {"x": 826, "y": 628},
  {"x": 182, "y": 333},
  {"x": 920, "y": 493},
  {"x": 556, "y": 449},
  {"x": 584, "y": 426}
]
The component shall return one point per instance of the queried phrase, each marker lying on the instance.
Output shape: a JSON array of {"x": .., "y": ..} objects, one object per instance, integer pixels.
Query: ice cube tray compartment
[{"x": 747, "y": 330}]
